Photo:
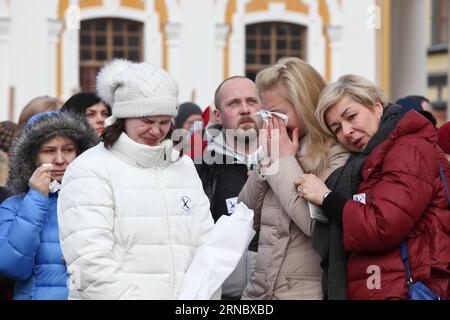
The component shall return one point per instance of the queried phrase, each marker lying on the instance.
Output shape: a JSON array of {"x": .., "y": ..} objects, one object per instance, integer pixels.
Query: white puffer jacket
[{"x": 130, "y": 220}]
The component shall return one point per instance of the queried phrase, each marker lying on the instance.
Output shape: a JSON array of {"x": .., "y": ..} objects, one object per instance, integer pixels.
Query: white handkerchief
[{"x": 266, "y": 114}]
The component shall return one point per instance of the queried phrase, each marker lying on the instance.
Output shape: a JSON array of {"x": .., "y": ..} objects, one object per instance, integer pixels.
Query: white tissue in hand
[
  {"x": 54, "y": 186},
  {"x": 266, "y": 114}
]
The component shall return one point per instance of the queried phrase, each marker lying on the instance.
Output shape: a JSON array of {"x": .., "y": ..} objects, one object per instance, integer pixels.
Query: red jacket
[{"x": 405, "y": 199}]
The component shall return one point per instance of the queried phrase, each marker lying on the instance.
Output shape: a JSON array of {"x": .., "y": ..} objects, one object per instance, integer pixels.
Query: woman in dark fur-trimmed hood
[
  {"x": 29, "y": 233},
  {"x": 44, "y": 127}
]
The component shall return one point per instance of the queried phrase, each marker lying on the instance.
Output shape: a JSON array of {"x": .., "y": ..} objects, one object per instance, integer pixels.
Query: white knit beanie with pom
[{"x": 137, "y": 89}]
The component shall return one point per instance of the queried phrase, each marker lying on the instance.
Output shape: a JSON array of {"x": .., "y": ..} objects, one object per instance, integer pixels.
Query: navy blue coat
[{"x": 30, "y": 252}]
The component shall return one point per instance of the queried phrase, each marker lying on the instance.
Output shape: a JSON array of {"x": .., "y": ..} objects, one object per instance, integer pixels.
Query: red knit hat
[{"x": 444, "y": 137}]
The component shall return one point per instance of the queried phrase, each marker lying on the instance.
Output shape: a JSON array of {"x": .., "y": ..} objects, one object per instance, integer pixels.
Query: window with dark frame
[
  {"x": 102, "y": 40},
  {"x": 439, "y": 22},
  {"x": 269, "y": 41}
]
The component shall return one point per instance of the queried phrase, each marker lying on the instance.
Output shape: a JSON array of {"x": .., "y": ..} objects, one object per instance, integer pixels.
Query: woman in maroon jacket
[{"x": 390, "y": 190}]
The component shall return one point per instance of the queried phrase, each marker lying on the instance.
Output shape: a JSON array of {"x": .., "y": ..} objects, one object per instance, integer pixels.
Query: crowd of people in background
[{"x": 110, "y": 195}]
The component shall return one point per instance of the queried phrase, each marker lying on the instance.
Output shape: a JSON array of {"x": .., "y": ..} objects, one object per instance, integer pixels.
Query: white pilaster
[
  {"x": 54, "y": 29},
  {"x": 316, "y": 41},
  {"x": 172, "y": 31},
  {"x": 219, "y": 46},
  {"x": 236, "y": 50},
  {"x": 4, "y": 66},
  {"x": 71, "y": 51},
  {"x": 335, "y": 36},
  {"x": 153, "y": 46},
  {"x": 409, "y": 57}
]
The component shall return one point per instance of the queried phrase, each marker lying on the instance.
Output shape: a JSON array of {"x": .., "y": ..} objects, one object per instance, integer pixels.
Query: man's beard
[{"x": 246, "y": 135}]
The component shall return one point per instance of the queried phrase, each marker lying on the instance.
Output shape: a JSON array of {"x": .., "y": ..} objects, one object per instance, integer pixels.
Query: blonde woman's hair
[
  {"x": 357, "y": 88},
  {"x": 302, "y": 85},
  {"x": 37, "y": 105}
]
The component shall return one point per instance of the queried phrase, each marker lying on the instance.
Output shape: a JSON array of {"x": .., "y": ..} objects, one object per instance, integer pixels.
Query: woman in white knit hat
[{"x": 132, "y": 212}]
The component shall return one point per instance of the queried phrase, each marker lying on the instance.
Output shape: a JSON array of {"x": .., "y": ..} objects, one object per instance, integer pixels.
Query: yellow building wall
[
  {"x": 437, "y": 63},
  {"x": 90, "y": 3},
  {"x": 291, "y": 5},
  {"x": 135, "y": 4}
]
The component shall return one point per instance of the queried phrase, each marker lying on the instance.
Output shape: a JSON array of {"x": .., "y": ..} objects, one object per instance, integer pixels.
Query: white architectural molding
[
  {"x": 4, "y": 8},
  {"x": 221, "y": 33},
  {"x": 220, "y": 8},
  {"x": 335, "y": 36},
  {"x": 5, "y": 26},
  {"x": 316, "y": 53},
  {"x": 5, "y": 67},
  {"x": 153, "y": 52},
  {"x": 173, "y": 31},
  {"x": 335, "y": 12},
  {"x": 111, "y": 4},
  {"x": 55, "y": 27},
  {"x": 152, "y": 38},
  {"x": 236, "y": 49},
  {"x": 113, "y": 12},
  {"x": 409, "y": 58},
  {"x": 174, "y": 10}
]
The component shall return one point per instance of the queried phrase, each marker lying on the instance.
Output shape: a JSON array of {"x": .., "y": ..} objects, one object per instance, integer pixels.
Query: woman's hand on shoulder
[{"x": 311, "y": 188}]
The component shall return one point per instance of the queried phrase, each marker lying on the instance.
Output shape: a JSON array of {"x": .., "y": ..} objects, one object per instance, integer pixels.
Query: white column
[
  {"x": 409, "y": 57},
  {"x": 4, "y": 67},
  {"x": 219, "y": 46},
  {"x": 316, "y": 41},
  {"x": 173, "y": 47},
  {"x": 334, "y": 34},
  {"x": 54, "y": 28},
  {"x": 236, "y": 49},
  {"x": 71, "y": 52},
  {"x": 153, "y": 50}
]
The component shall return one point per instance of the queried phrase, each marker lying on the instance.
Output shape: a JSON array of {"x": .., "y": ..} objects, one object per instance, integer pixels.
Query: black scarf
[{"x": 328, "y": 238}]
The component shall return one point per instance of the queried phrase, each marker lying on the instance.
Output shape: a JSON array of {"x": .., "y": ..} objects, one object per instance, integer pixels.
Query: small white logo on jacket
[{"x": 186, "y": 204}]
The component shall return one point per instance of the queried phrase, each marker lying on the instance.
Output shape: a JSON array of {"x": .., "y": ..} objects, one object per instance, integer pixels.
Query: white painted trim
[
  {"x": 316, "y": 40},
  {"x": 108, "y": 12},
  {"x": 152, "y": 38},
  {"x": 220, "y": 11},
  {"x": 173, "y": 33},
  {"x": 174, "y": 10},
  {"x": 5, "y": 66}
]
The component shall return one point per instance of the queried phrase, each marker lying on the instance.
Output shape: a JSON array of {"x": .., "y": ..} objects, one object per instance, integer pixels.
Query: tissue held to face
[
  {"x": 59, "y": 152},
  {"x": 274, "y": 100}
]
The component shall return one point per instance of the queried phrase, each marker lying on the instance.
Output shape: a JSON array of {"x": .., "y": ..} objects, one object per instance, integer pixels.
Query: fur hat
[
  {"x": 137, "y": 89},
  {"x": 40, "y": 128}
]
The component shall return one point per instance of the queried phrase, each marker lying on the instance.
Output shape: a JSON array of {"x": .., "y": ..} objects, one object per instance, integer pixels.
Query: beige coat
[{"x": 287, "y": 266}]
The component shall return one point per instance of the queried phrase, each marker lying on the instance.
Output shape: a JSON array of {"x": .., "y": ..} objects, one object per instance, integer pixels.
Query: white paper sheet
[{"x": 216, "y": 259}]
